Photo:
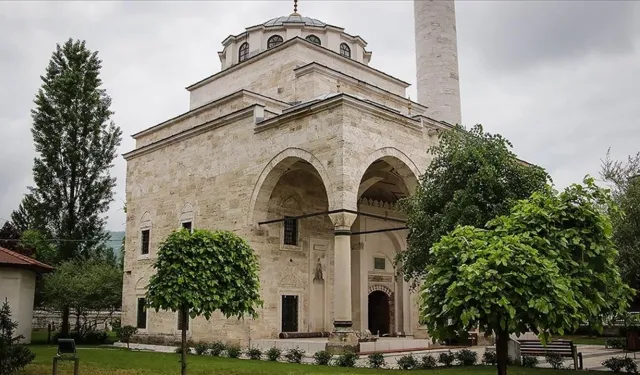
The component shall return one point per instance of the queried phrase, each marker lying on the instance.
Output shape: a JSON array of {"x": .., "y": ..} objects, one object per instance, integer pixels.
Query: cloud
[{"x": 557, "y": 78}]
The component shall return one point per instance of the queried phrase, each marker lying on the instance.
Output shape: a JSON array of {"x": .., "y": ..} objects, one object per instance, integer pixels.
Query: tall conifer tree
[{"x": 76, "y": 143}]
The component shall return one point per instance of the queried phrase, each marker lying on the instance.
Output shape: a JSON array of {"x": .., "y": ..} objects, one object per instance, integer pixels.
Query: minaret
[{"x": 437, "y": 59}]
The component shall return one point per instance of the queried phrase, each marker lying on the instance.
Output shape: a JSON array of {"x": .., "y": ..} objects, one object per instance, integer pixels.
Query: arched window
[
  {"x": 345, "y": 50},
  {"x": 314, "y": 39},
  {"x": 243, "y": 53},
  {"x": 274, "y": 41}
]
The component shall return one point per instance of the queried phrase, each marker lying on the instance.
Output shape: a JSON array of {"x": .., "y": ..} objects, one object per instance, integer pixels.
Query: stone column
[{"x": 343, "y": 337}]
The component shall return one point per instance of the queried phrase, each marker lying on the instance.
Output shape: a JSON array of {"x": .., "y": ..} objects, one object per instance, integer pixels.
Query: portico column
[{"x": 342, "y": 270}]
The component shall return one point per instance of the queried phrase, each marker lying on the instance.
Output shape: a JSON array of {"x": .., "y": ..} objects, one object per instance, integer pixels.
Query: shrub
[
  {"x": 555, "y": 360},
  {"x": 529, "y": 361},
  {"x": 376, "y": 360},
  {"x": 13, "y": 356},
  {"x": 615, "y": 343},
  {"x": 274, "y": 354},
  {"x": 428, "y": 362},
  {"x": 201, "y": 348},
  {"x": 294, "y": 355},
  {"x": 217, "y": 348},
  {"x": 490, "y": 357},
  {"x": 125, "y": 333},
  {"x": 90, "y": 337},
  {"x": 347, "y": 360},
  {"x": 254, "y": 353},
  {"x": 234, "y": 351},
  {"x": 322, "y": 358},
  {"x": 408, "y": 362},
  {"x": 446, "y": 358},
  {"x": 467, "y": 357},
  {"x": 616, "y": 364}
]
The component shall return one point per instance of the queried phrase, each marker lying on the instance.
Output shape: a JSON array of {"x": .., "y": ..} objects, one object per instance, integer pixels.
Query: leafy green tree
[
  {"x": 546, "y": 267},
  {"x": 43, "y": 250},
  {"x": 83, "y": 287},
  {"x": 473, "y": 177},
  {"x": 202, "y": 272},
  {"x": 13, "y": 355},
  {"x": 625, "y": 180},
  {"x": 75, "y": 142}
]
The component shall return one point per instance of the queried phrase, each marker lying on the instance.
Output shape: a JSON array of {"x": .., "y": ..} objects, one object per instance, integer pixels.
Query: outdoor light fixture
[{"x": 66, "y": 352}]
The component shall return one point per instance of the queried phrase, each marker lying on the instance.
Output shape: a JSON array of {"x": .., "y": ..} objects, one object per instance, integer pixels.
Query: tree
[
  {"x": 13, "y": 356},
  {"x": 202, "y": 272},
  {"x": 25, "y": 216},
  {"x": 546, "y": 267},
  {"x": 472, "y": 178},
  {"x": 625, "y": 180},
  {"x": 9, "y": 236},
  {"x": 84, "y": 287},
  {"x": 76, "y": 143},
  {"x": 41, "y": 248}
]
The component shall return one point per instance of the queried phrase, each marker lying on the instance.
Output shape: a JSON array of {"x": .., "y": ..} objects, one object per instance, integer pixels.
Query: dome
[{"x": 294, "y": 18}]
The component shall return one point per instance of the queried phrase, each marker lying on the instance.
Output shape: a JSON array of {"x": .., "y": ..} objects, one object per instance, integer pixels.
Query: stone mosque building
[{"x": 303, "y": 148}]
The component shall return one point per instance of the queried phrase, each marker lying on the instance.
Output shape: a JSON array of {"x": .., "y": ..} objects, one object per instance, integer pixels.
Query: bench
[{"x": 564, "y": 348}]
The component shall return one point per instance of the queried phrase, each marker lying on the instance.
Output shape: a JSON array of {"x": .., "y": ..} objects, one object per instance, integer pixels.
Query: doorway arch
[{"x": 379, "y": 312}]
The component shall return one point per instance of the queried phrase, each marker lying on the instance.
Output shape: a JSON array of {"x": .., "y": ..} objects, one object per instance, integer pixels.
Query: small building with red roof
[{"x": 18, "y": 286}]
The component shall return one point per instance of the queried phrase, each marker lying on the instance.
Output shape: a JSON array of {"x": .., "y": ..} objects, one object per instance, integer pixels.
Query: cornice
[{"x": 195, "y": 131}]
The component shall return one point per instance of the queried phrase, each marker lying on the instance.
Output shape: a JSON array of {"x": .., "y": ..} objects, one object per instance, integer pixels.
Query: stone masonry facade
[{"x": 293, "y": 130}]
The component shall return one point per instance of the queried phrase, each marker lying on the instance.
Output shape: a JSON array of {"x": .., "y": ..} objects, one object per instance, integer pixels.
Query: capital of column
[{"x": 342, "y": 221}]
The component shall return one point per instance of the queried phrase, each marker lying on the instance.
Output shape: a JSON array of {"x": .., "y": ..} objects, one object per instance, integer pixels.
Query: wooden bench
[{"x": 564, "y": 348}]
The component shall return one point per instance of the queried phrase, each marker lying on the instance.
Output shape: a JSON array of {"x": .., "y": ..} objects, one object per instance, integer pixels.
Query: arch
[
  {"x": 145, "y": 219},
  {"x": 243, "y": 52},
  {"x": 186, "y": 214},
  {"x": 314, "y": 39},
  {"x": 142, "y": 283},
  {"x": 345, "y": 50},
  {"x": 275, "y": 168},
  {"x": 405, "y": 167},
  {"x": 380, "y": 288},
  {"x": 274, "y": 41},
  {"x": 380, "y": 307}
]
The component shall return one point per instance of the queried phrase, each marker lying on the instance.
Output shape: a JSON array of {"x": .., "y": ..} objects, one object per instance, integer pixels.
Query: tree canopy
[
  {"x": 202, "y": 272},
  {"x": 625, "y": 180},
  {"x": 76, "y": 143},
  {"x": 473, "y": 177},
  {"x": 546, "y": 266}
]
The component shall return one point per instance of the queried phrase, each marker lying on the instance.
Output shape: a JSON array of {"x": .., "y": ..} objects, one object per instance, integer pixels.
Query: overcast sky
[{"x": 561, "y": 79}]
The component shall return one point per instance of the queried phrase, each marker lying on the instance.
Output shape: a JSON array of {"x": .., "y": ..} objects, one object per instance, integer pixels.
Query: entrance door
[
  {"x": 289, "y": 313},
  {"x": 379, "y": 319}
]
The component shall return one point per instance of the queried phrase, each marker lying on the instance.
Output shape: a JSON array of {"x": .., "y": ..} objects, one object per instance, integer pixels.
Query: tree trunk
[
  {"x": 502, "y": 351},
  {"x": 64, "y": 330},
  {"x": 185, "y": 318}
]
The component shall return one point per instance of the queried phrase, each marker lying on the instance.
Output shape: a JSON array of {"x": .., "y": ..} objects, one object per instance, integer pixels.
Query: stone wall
[{"x": 42, "y": 318}]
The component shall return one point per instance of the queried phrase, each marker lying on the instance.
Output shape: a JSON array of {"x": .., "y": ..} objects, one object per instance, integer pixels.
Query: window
[
  {"x": 243, "y": 53},
  {"x": 180, "y": 321},
  {"x": 141, "y": 321},
  {"x": 145, "y": 242},
  {"x": 313, "y": 39},
  {"x": 274, "y": 41},
  {"x": 187, "y": 225},
  {"x": 290, "y": 231},
  {"x": 345, "y": 50},
  {"x": 378, "y": 263}
]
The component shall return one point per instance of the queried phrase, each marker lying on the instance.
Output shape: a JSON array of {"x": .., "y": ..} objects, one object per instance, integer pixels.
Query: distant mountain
[{"x": 115, "y": 242}]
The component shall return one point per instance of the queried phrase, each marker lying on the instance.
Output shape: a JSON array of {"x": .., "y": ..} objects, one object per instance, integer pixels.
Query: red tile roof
[{"x": 10, "y": 258}]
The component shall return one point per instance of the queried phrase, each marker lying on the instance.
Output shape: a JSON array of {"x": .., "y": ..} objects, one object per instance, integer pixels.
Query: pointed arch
[{"x": 273, "y": 171}]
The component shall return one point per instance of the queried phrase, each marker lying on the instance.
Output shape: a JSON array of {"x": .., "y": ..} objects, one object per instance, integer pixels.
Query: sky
[{"x": 559, "y": 79}]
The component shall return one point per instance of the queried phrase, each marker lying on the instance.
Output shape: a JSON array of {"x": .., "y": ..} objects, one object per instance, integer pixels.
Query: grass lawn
[
  {"x": 101, "y": 361},
  {"x": 585, "y": 340}
]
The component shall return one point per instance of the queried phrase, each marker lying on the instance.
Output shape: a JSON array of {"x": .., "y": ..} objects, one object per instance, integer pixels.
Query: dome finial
[{"x": 295, "y": 8}]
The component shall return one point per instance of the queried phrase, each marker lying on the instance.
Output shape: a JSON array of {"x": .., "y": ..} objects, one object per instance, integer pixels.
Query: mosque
[{"x": 300, "y": 146}]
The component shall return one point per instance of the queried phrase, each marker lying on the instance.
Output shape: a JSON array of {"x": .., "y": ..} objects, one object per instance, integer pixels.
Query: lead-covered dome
[{"x": 294, "y": 18}]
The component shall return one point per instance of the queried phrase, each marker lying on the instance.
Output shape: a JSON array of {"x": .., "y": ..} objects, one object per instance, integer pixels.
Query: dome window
[
  {"x": 274, "y": 41},
  {"x": 345, "y": 50},
  {"x": 243, "y": 52},
  {"x": 314, "y": 39}
]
